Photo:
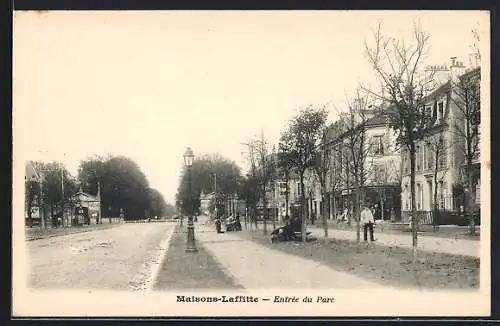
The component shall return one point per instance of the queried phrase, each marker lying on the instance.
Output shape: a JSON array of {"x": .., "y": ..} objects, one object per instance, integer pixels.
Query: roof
[
  {"x": 84, "y": 194},
  {"x": 475, "y": 71},
  {"x": 377, "y": 120},
  {"x": 31, "y": 171}
]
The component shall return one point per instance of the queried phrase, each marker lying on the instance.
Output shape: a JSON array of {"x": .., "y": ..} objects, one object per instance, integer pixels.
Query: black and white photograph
[{"x": 251, "y": 163}]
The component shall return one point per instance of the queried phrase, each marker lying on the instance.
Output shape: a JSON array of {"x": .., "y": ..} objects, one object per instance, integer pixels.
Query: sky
[{"x": 147, "y": 85}]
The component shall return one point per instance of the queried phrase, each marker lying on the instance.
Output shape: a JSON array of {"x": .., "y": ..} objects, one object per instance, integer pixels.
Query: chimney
[
  {"x": 457, "y": 68},
  {"x": 453, "y": 61},
  {"x": 439, "y": 74}
]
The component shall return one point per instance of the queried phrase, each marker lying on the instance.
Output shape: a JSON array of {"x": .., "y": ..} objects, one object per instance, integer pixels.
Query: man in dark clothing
[
  {"x": 287, "y": 232},
  {"x": 218, "y": 225},
  {"x": 238, "y": 223}
]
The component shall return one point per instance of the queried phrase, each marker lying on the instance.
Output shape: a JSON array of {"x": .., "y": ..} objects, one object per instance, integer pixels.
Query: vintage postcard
[{"x": 251, "y": 163}]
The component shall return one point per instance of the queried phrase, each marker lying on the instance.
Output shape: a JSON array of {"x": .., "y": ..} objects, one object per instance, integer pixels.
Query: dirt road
[{"x": 125, "y": 257}]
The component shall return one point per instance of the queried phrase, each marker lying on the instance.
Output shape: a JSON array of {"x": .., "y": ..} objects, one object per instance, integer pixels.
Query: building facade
[
  {"x": 440, "y": 159},
  {"x": 381, "y": 170}
]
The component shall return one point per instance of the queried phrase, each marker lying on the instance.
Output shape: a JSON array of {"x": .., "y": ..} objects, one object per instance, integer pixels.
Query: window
[
  {"x": 282, "y": 188},
  {"x": 418, "y": 158},
  {"x": 379, "y": 173},
  {"x": 407, "y": 198},
  {"x": 377, "y": 145},
  {"x": 443, "y": 153},
  {"x": 427, "y": 153},
  {"x": 441, "y": 110},
  {"x": 406, "y": 162},
  {"x": 420, "y": 196},
  {"x": 298, "y": 189},
  {"x": 428, "y": 111}
]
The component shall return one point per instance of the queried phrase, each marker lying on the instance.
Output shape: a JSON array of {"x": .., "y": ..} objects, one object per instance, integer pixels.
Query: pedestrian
[
  {"x": 367, "y": 221},
  {"x": 218, "y": 223},
  {"x": 238, "y": 223}
]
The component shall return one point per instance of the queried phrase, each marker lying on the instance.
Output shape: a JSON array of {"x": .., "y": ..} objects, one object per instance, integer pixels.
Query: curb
[{"x": 65, "y": 234}]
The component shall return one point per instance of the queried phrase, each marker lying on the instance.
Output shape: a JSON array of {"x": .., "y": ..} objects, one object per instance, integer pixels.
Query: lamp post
[{"x": 188, "y": 161}]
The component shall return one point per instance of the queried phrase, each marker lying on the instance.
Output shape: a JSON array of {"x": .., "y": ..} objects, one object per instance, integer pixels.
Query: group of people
[
  {"x": 288, "y": 231},
  {"x": 232, "y": 223},
  {"x": 292, "y": 226}
]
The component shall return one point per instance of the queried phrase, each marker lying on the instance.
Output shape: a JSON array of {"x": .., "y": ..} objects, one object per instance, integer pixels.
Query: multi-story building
[
  {"x": 440, "y": 159},
  {"x": 276, "y": 197},
  {"x": 381, "y": 169}
]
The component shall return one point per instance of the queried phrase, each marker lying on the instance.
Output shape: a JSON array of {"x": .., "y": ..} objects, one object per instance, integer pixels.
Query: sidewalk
[
  {"x": 36, "y": 233},
  {"x": 462, "y": 247},
  {"x": 256, "y": 266}
]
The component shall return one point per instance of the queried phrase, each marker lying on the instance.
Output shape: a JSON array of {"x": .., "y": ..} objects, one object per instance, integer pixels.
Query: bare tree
[
  {"x": 322, "y": 166},
  {"x": 467, "y": 99},
  {"x": 437, "y": 149},
  {"x": 285, "y": 168},
  {"x": 385, "y": 173},
  {"x": 265, "y": 168},
  {"x": 356, "y": 149},
  {"x": 303, "y": 138},
  {"x": 334, "y": 176},
  {"x": 398, "y": 66},
  {"x": 251, "y": 186},
  {"x": 475, "y": 43}
]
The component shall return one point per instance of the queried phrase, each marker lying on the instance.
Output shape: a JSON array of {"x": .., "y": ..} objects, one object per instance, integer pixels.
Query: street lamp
[{"x": 188, "y": 162}]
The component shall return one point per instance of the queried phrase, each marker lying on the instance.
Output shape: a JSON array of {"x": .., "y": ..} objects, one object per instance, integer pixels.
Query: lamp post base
[{"x": 191, "y": 243}]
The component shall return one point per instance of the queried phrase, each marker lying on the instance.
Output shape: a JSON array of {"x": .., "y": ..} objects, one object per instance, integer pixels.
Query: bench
[{"x": 299, "y": 234}]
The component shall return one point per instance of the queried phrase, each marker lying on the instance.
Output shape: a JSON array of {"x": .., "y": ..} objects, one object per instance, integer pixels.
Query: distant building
[
  {"x": 88, "y": 204},
  {"x": 206, "y": 202},
  {"x": 276, "y": 195}
]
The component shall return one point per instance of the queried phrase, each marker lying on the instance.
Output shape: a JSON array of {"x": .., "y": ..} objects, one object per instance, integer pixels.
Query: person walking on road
[
  {"x": 367, "y": 221},
  {"x": 218, "y": 224}
]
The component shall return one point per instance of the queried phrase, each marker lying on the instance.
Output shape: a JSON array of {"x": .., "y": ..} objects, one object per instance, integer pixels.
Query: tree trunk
[
  {"x": 30, "y": 217},
  {"x": 413, "y": 200},
  {"x": 357, "y": 213},
  {"x": 350, "y": 209},
  {"x": 255, "y": 217},
  {"x": 334, "y": 207},
  {"x": 435, "y": 204},
  {"x": 382, "y": 208},
  {"x": 286, "y": 200},
  {"x": 51, "y": 213},
  {"x": 264, "y": 209},
  {"x": 325, "y": 219},
  {"x": 303, "y": 208},
  {"x": 275, "y": 212},
  {"x": 471, "y": 199}
]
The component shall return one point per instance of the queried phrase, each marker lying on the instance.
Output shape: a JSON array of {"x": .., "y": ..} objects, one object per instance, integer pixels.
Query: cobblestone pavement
[{"x": 124, "y": 257}]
